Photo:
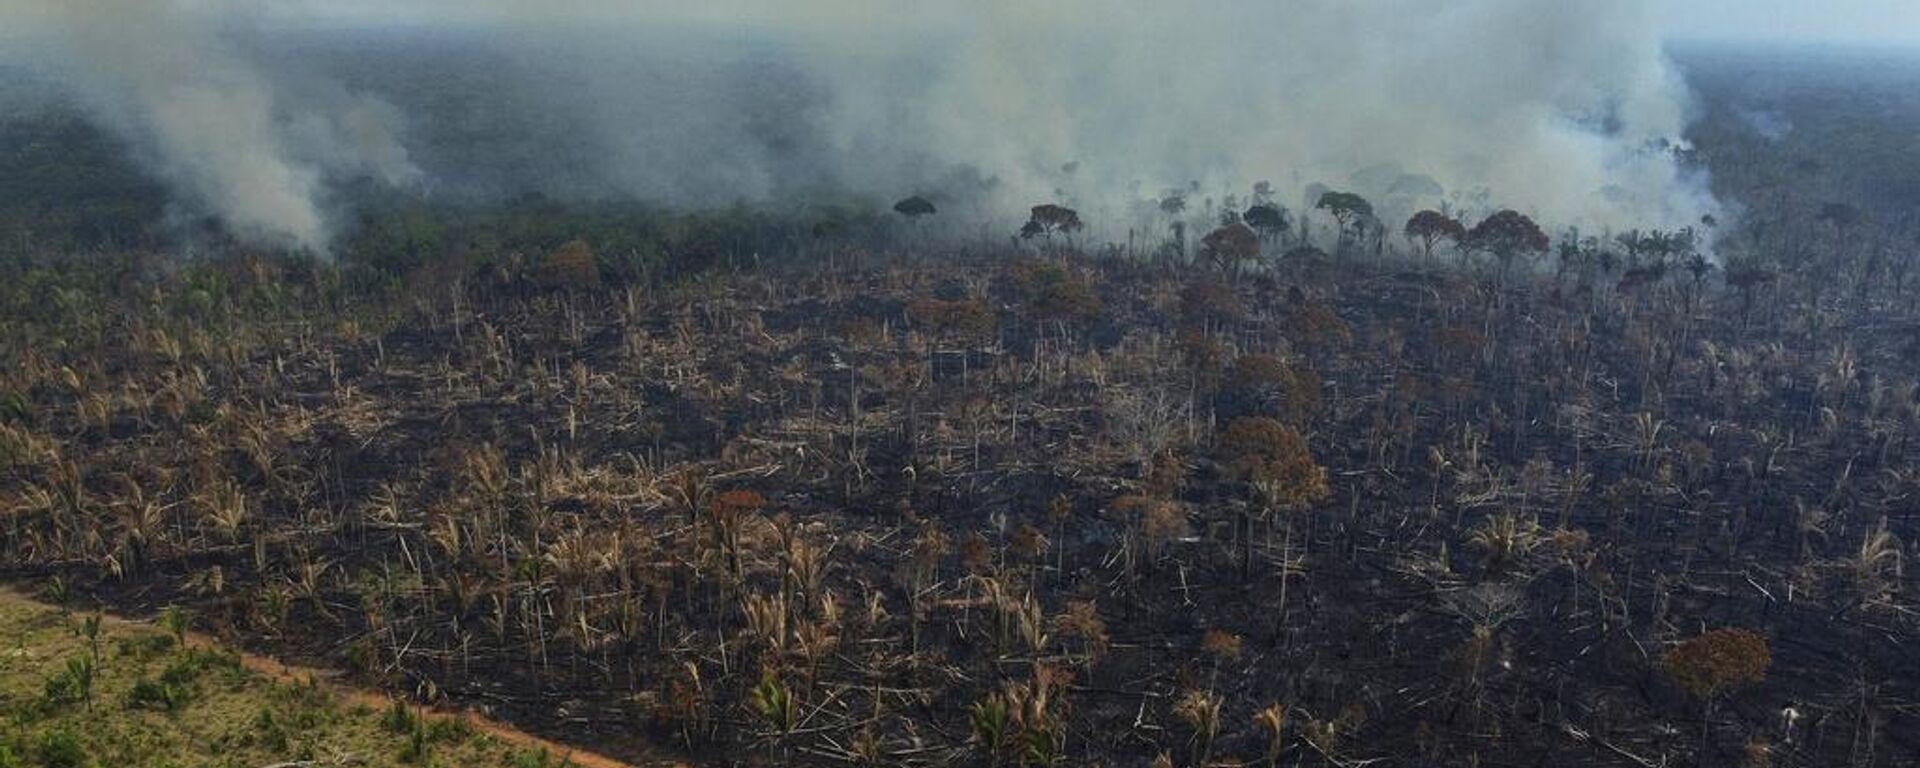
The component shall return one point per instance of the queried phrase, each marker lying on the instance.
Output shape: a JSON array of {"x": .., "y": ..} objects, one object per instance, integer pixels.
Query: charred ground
[{"x": 1606, "y": 505}]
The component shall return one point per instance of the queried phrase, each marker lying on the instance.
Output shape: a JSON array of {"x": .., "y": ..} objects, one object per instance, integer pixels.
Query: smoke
[
  {"x": 1557, "y": 108},
  {"x": 1564, "y": 109},
  {"x": 231, "y": 136}
]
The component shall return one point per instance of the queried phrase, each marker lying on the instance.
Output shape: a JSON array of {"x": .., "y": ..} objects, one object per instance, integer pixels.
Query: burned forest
[{"x": 1276, "y": 474}]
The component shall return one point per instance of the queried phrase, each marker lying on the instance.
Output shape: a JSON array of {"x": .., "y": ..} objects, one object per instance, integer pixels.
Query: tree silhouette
[
  {"x": 914, "y": 207},
  {"x": 1345, "y": 207},
  {"x": 1430, "y": 227},
  {"x": 1231, "y": 246},
  {"x": 1748, "y": 277},
  {"x": 1267, "y": 219},
  {"x": 1508, "y": 235},
  {"x": 1047, "y": 220}
]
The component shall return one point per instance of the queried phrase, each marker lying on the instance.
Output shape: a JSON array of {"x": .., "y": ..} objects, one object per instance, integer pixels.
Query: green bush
[
  {"x": 272, "y": 735},
  {"x": 530, "y": 759},
  {"x": 416, "y": 748},
  {"x": 449, "y": 730},
  {"x": 398, "y": 719},
  {"x": 187, "y": 669},
  {"x": 144, "y": 647},
  {"x": 72, "y": 685},
  {"x": 61, "y": 749},
  {"x": 155, "y": 694},
  {"x": 15, "y": 408}
]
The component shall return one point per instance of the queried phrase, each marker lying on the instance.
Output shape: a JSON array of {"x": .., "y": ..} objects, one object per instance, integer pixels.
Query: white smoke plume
[
  {"x": 1562, "y": 108},
  {"x": 234, "y": 138},
  {"x": 1565, "y": 109}
]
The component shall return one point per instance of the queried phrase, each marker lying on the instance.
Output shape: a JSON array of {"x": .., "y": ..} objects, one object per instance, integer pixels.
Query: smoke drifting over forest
[
  {"x": 1564, "y": 109},
  {"x": 250, "y": 144}
]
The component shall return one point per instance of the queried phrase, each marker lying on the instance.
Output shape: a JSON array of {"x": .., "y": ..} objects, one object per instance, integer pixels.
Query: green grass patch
[{"x": 112, "y": 694}]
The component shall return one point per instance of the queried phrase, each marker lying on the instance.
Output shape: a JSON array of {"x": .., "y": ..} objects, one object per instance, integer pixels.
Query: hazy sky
[
  {"x": 1824, "y": 21},
  {"x": 1884, "y": 22},
  {"x": 1820, "y": 21}
]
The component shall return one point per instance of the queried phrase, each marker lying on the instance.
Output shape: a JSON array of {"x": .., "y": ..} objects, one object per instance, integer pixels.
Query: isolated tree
[
  {"x": 1273, "y": 459},
  {"x": 1507, "y": 235},
  {"x": 1048, "y": 220},
  {"x": 1698, "y": 266},
  {"x": 914, "y": 207},
  {"x": 1345, "y": 207},
  {"x": 1260, "y": 450},
  {"x": 1231, "y": 246},
  {"x": 1714, "y": 664},
  {"x": 1269, "y": 220},
  {"x": 1430, "y": 227}
]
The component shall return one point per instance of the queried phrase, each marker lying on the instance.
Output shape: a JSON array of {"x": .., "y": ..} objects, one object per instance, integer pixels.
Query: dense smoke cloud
[
  {"x": 1564, "y": 109},
  {"x": 231, "y": 136}
]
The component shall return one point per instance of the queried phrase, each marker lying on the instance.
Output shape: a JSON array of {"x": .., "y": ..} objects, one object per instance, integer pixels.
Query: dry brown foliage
[{"x": 1719, "y": 660}]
